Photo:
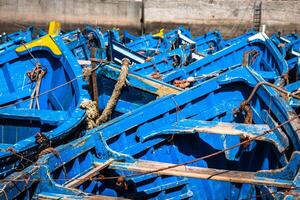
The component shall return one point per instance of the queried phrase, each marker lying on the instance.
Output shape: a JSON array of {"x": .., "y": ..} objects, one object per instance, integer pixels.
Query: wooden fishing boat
[
  {"x": 257, "y": 51},
  {"x": 42, "y": 91},
  {"x": 15, "y": 39},
  {"x": 152, "y": 44},
  {"x": 217, "y": 140},
  {"x": 40, "y": 98},
  {"x": 209, "y": 43}
]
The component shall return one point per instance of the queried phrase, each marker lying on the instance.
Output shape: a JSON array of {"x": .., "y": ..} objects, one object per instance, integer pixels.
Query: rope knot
[
  {"x": 49, "y": 150},
  {"x": 183, "y": 84},
  {"x": 246, "y": 108},
  {"x": 156, "y": 75},
  {"x": 91, "y": 112},
  {"x": 41, "y": 138},
  {"x": 86, "y": 73},
  {"x": 36, "y": 73},
  {"x": 11, "y": 149},
  {"x": 125, "y": 62}
]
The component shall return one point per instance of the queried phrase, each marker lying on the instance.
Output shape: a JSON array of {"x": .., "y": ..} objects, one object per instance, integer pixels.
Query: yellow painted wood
[
  {"x": 54, "y": 28},
  {"x": 45, "y": 41}
]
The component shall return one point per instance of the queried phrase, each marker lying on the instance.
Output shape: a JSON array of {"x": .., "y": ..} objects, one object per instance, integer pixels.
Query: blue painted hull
[
  {"x": 15, "y": 39},
  {"x": 255, "y": 50},
  {"x": 176, "y": 129},
  {"x": 58, "y": 115}
]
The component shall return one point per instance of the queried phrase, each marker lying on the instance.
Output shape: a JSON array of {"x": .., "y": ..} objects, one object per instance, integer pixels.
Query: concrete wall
[
  {"x": 125, "y": 13},
  {"x": 231, "y": 17}
]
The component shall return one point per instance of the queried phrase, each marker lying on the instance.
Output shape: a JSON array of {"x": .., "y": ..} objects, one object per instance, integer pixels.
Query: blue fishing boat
[
  {"x": 209, "y": 43},
  {"x": 217, "y": 140},
  {"x": 16, "y": 35},
  {"x": 257, "y": 51},
  {"x": 42, "y": 94},
  {"x": 292, "y": 36},
  {"x": 239, "y": 38},
  {"x": 139, "y": 90},
  {"x": 40, "y": 98},
  {"x": 108, "y": 73},
  {"x": 152, "y": 44},
  {"x": 181, "y": 53},
  {"x": 128, "y": 37},
  {"x": 289, "y": 47},
  {"x": 80, "y": 42},
  {"x": 293, "y": 49},
  {"x": 76, "y": 43},
  {"x": 184, "y": 55},
  {"x": 14, "y": 39}
]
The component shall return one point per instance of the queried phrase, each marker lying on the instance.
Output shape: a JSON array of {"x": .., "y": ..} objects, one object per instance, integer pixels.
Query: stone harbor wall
[{"x": 231, "y": 17}]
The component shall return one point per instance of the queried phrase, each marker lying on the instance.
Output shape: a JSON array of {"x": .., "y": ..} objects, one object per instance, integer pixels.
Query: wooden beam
[
  {"x": 162, "y": 89},
  {"x": 190, "y": 126},
  {"x": 90, "y": 174},
  {"x": 53, "y": 196},
  {"x": 93, "y": 79},
  {"x": 200, "y": 173}
]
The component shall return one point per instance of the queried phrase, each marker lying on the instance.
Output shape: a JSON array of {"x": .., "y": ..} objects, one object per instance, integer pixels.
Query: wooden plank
[
  {"x": 52, "y": 196},
  {"x": 162, "y": 89},
  {"x": 90, "y": 174},
  {"x": 199, "y": 172},
  {"x": 93, "y": 79},
  {"x": 190, "y": 126},
  {"x": 84, "y": 62}
]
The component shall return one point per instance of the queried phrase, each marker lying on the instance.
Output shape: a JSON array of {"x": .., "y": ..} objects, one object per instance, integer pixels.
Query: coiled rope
[{"x": 93, "y": 119}]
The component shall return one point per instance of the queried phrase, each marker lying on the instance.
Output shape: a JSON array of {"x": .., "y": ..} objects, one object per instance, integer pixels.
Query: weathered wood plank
[
  {"x": 201, "y": 173},
  {"x": 189, "y": 126},
  {"x": 52, "y": 196},
  {"x": 79, "y": 180},
  {"x": 162, "y": 89}
]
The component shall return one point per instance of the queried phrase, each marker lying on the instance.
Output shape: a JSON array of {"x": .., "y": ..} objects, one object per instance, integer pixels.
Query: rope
[
  {"x": 173, "y": 166},
  {"x": 4, "y": 192},
  {"x": 286, "y": 80},
  {"x": 216, "y": 153},
  {"x": 86, "y": 73},
  {"x": 36, "y": 75},
  {"x": 91, "y": 112},
  {"x": 279, "y": 89},
  {"x": 184, "y": 84},
  {"x": 47, "y": 91},
  {"x": 116, "y": 93},
  {"x": 43, "y": 93},
  {"x": 156, "y": 75},
  {"x": 30, "y": 53}
]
